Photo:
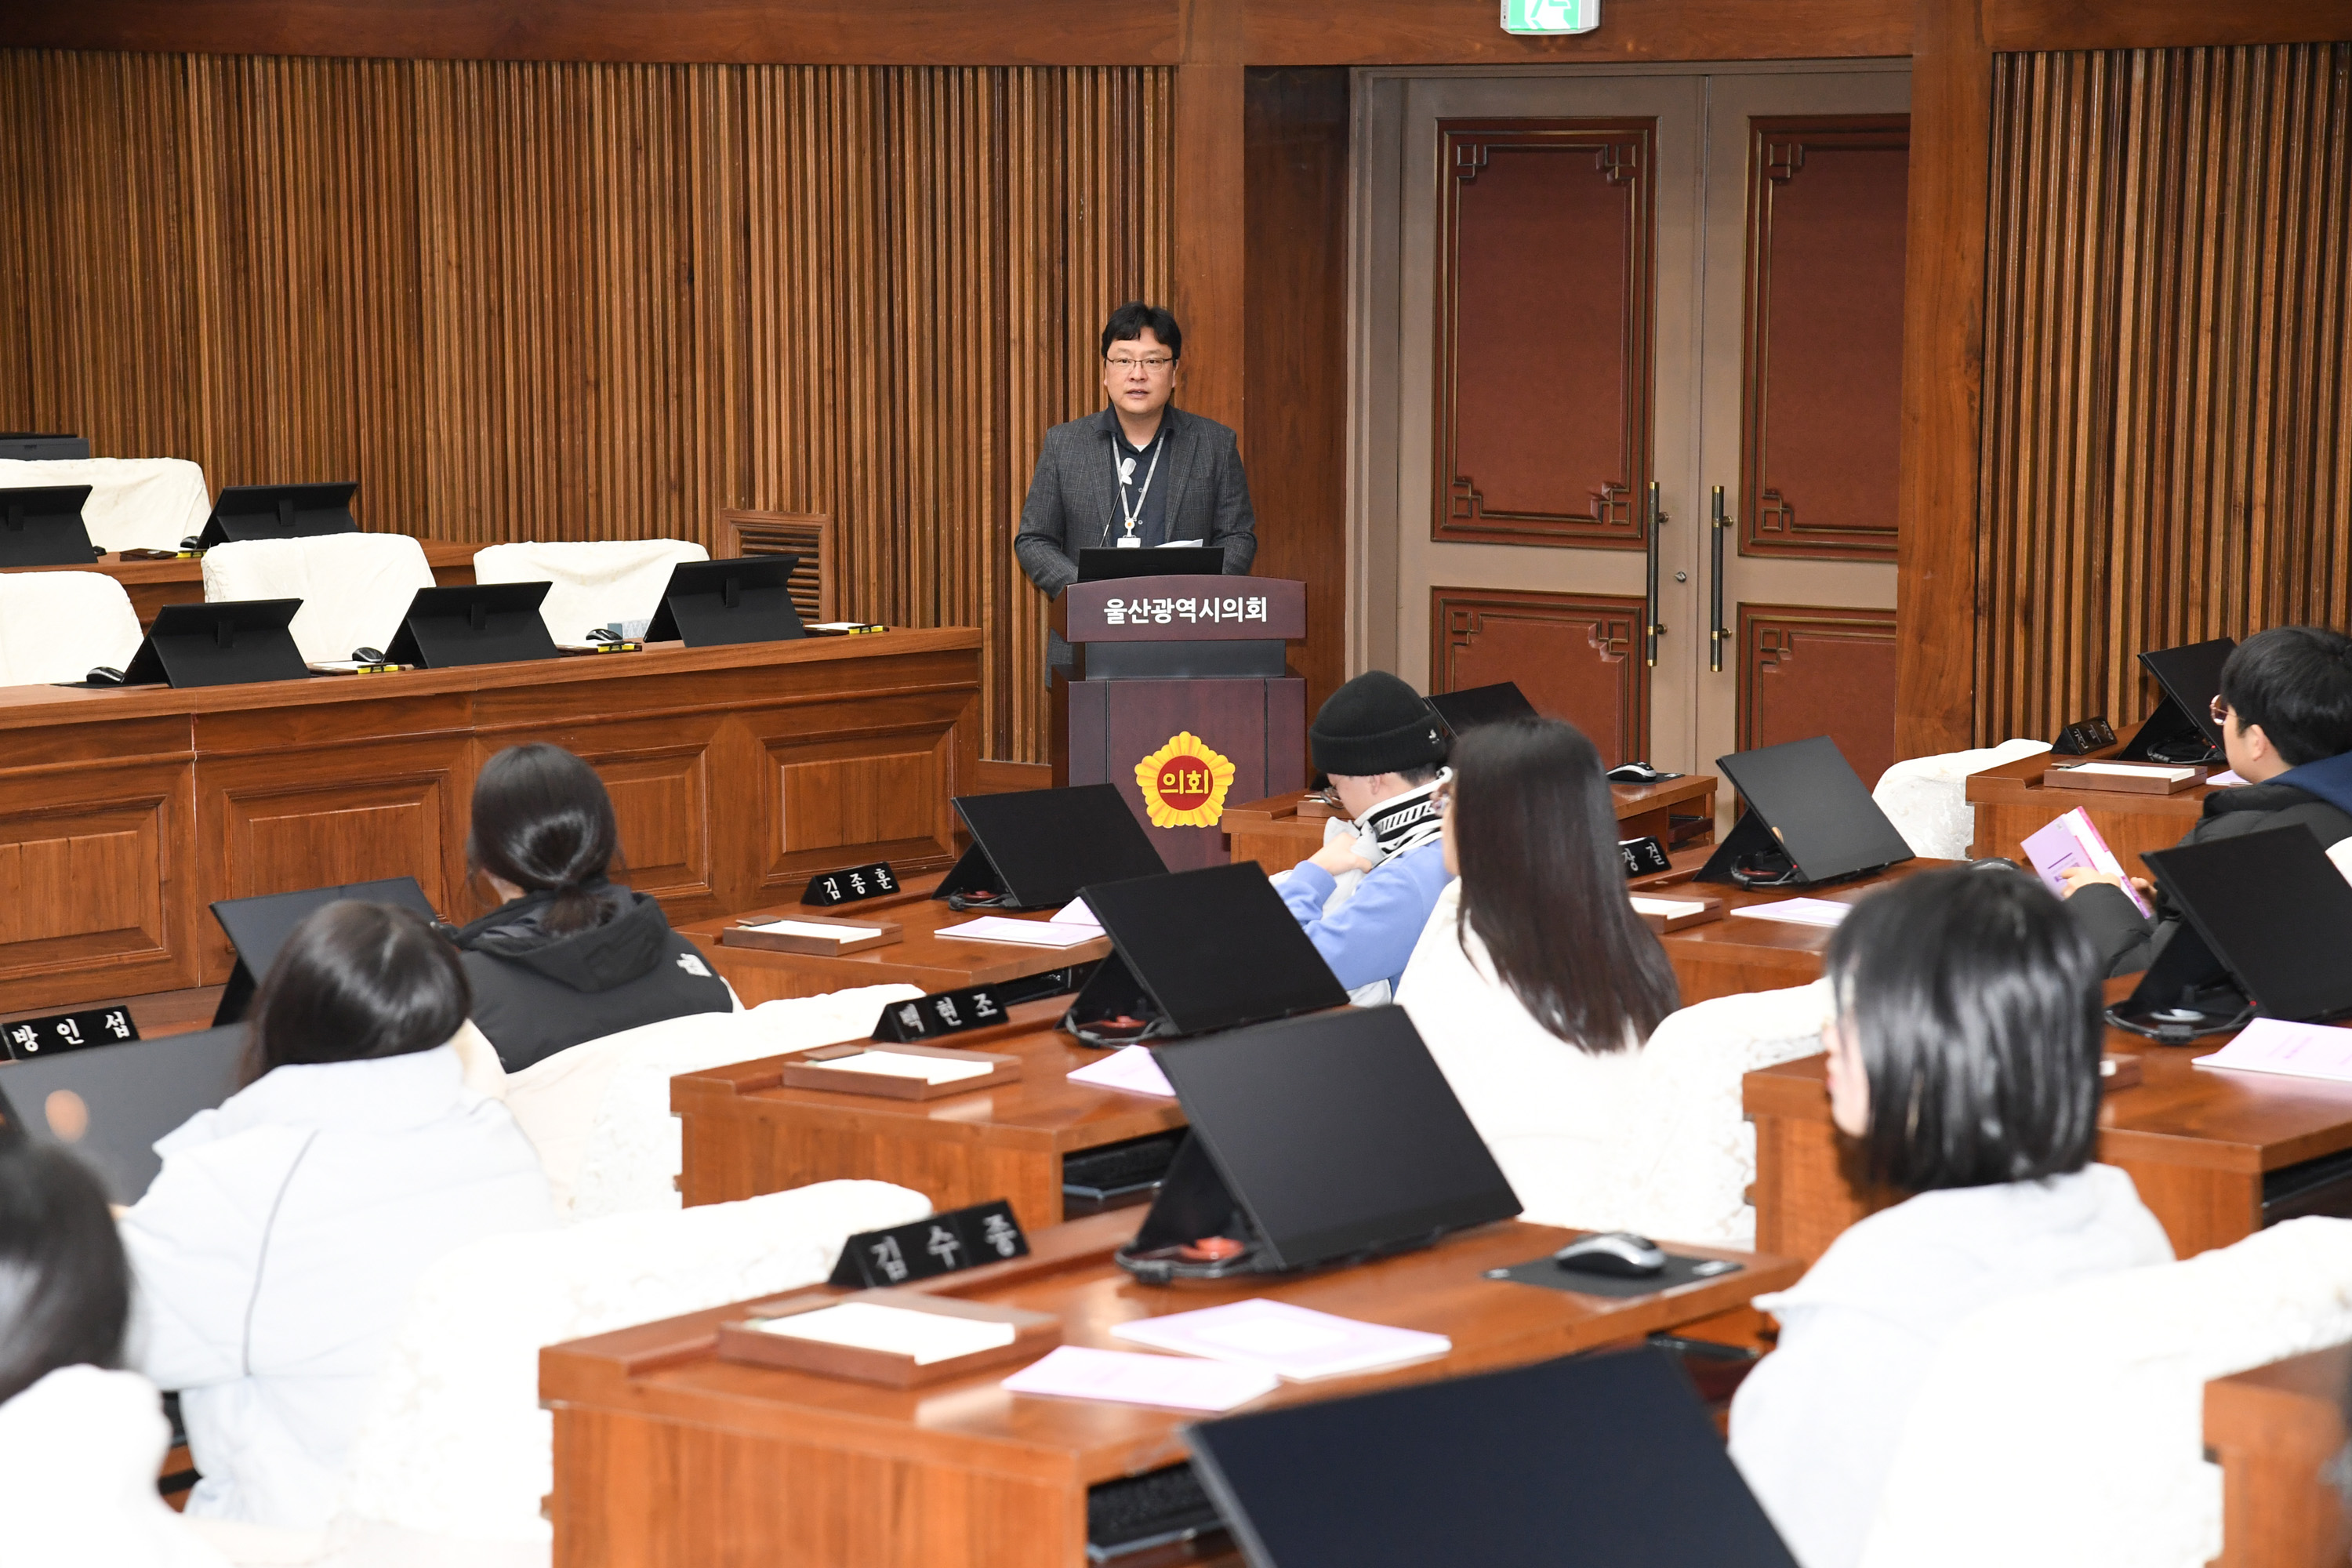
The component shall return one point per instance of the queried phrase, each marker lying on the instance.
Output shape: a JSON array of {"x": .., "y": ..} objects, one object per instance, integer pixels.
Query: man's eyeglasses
[
  {"x": 1151, "y": 366},
  {"x": 2220, "y": 711}
]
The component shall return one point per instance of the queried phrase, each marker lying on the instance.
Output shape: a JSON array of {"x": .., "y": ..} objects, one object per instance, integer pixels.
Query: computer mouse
[
  {"x": 1638, "y": 773},
  {"x": 104, "y": 675},
  {"x": 1619, "y": 1253},
  {"x": 193, "y": 541},
  {"x": 368, "y": 654}
]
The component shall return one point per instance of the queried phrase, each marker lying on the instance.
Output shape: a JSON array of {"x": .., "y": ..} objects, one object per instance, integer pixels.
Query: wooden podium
[{"x": 1180, "y": 696}]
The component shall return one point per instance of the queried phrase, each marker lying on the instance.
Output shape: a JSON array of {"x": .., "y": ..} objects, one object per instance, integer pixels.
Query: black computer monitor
[
  {"x": 1167, "y": 561},
  {"x": 280, "y": 511},
  {"x": 109, "y": 1103},
  {"x": 2267, "y": 923},
  {"x": 1605, "y": 1460},
  {"x": 1196, "y": 951},
  {"x": 42, "y": 526},
  {"x": 473, "y": 623},
  {"x": 33, "y": 446},
  {"x": 1034, "y": 850},
  {"x": 1315, "y": 1140},
  {"x": 1808, "y": 819},
  {"x": 714, "y": 604},
  {"x": 2181, "y": 728},
  {"x": 230, "y": 642},
  {"x": 258, "y": 927},
  {"x": 1466, "y": 710}
]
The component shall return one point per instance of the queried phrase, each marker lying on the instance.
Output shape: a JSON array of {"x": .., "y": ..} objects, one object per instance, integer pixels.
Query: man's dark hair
[
  {"x": 65, "y": 1285},
  {"x": 1130, "y": 321},
  {"x": 1543, "y": 884},
  {"x": 354, "y": 982},
  {"x": 2297, "y": 683},
  {"x": 1975, "y": 1001}
]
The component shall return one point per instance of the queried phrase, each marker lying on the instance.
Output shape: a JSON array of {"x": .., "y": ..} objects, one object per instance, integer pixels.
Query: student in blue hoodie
[
  {"x": 2285, "y": 712},
  {"x": 1367, "y": 893}
]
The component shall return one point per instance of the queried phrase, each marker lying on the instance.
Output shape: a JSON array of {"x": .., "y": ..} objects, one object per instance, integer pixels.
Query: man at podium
[{"x": 1140, "y": 474}]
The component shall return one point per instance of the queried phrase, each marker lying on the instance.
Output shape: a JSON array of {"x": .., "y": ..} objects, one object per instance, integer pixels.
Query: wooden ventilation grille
[{"x": 808, "y": 535}]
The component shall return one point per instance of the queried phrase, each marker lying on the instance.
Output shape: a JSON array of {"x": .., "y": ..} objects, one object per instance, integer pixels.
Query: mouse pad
[{"x": 1679, "y": 1270}]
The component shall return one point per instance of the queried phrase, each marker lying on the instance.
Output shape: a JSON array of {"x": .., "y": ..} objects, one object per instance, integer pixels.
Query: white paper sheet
[
  {"x": 1125, "y": 1377},
  {"x": 2127, "y": 770},
  {"x": 1292, "y": 1342},
  {"x": 899, "y": 1064},
  {"x": 1801, "y": 911},
  {"x": 1669, "y": 907},
  {"x": 2296, "y": 1050},
  {"x": 810, "y": 927},
  {"x": 1076, "y": 913},
  {"x": 1130, "y": 1068},
  {"x": 1029, "y": 934},
  {"x": 902, "y": 1330}
]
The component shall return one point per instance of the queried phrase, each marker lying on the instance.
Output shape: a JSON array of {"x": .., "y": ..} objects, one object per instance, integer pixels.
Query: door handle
[
  {"x": 1652, "y": 627},
  {"x": 1718, "y": 633}
]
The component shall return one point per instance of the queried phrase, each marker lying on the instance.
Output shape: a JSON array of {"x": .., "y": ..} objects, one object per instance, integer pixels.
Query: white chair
[
  {"x": 354, "y": 587},
  {"x": 599, "y": 1112},
  {"x": 1926, "y": 797},
  {"x": 135, "y": 503},
  {"x": 591, "y": 582},
  {"x": 2067, "y": 1427},
  {"x": 59, "y": 626}
]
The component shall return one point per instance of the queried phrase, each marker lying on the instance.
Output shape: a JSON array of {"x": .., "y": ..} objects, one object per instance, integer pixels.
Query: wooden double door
[{"x": 1628, "y": 398}]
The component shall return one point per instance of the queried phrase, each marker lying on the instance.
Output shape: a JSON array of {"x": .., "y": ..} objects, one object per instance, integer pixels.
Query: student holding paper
[
  {"x": 1964, "y": 1059},
  {"x": 2285, "y": 712}
]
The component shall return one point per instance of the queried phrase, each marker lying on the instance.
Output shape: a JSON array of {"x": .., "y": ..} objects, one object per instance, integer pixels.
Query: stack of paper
[
  {"x": 1292, "y": 1343},
  {"x": 1032, "y": 933},
  {"x": 814, "y": 928},
  {"x": 900, "y": 1064},
  {"x": 902, "y": 1330},
  {"x": 1130, "y": 1068},
  {"x": 2073, "y": 842},
  {"x": 2298, "y": 1050},
  {"x": 1801, "y": 911},
  {"x": 1076, "y": 913},
  {"x": 1668, "y": 908},
  {"x": 1171, "y": 1382}
]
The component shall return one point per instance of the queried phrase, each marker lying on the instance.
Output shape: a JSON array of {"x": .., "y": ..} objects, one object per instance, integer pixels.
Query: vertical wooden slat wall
[
  {"x": 2168, "y": 434},
  {"x": 594, "y": 302}
]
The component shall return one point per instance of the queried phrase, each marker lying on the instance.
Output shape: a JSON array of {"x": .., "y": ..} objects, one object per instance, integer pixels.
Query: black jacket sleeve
[{"x": 2125, "y": 940}]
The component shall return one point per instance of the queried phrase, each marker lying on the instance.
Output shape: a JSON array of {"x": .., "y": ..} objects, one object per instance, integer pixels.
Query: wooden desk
[
  {"x": 923, "y": 959},
  {"x": 2275, "y": 1430},
  {"x": 2196, "y": 1143},
  {"x": 666, "y": 1455},
  {"x": 2012, "y": 802},
  {"x": 1740, "y": 953},
  {"x": 746, "y": 1134},
  {"x": 1280, "y": 832},
  {"x": 737, "y": 772},
  {"x": 151, "y": 584}
]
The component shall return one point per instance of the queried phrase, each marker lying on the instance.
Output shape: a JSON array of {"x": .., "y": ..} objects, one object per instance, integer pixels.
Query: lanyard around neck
[{"x": 1131, "y": 516}]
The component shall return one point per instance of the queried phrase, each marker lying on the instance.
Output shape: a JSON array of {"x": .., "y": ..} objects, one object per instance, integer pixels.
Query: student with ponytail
[{"x": 568, "y": 955}]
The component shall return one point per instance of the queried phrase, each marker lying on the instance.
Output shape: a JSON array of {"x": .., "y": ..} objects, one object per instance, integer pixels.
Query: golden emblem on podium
[{"x": 1184, "y": 783}]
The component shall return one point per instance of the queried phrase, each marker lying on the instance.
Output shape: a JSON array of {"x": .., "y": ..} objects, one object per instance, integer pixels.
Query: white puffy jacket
[
  {"x": 275, "y": 1254},
  {"x": 78, "y": 1488}
]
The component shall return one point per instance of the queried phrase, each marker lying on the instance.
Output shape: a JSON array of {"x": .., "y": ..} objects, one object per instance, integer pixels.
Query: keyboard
[
  {"x": 1139, "y": 1512},
  {"x": 1115, "y": 1169}
]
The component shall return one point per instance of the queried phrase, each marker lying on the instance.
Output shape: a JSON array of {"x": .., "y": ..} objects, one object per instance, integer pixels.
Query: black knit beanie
[{"x": 1376, "y": 725}]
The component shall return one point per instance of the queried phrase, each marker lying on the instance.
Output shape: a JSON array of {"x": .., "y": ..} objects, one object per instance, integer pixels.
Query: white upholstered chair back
[
  {"x": 354, "y": 587},
  {"x": 2066, "y": 1426},
  {"x": 59, "y": 626},
  {"x": 135, "y": 503},
  {"x": 593, "y": 583},
  {"x": 1926, "y": 797}
]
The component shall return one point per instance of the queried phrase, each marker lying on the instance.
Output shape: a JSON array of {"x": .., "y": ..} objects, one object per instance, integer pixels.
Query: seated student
[
  {"x": 1964, "y": 1056},
  {"x": 275, "y": 1251},
  {"x": 84, "y": 1441},
  {"x": 1535, "y": 984},
  {"x": 568, "y": 955},
  {"x": 1364, "y": 896},
  {"x": 2285, "y": 711}
]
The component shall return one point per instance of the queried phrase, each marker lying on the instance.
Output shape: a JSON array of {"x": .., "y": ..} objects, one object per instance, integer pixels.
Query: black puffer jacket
[{"x": 536, "y": 993}]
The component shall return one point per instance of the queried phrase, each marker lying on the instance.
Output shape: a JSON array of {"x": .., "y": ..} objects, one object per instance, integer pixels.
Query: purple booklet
[{"x": 2070, "y": 841}]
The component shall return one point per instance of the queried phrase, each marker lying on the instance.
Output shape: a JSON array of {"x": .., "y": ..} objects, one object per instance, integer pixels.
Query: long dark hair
[
  {"x": 65, "y": 1285},
  {"x": 1975, "y": 998},
  {"x": 354, "y": 982},
  {"x": 1543, "y": 884},
  {"x": 543, "y": 822}
]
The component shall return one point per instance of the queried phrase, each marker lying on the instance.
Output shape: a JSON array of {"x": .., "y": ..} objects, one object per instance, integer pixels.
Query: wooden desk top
[
  {"x": 2021, "y": 784},
  {"x": 1043, "y": 1112},
  {"x": 1739, "y": 954},
  {"x": 667, "y": 1371}
]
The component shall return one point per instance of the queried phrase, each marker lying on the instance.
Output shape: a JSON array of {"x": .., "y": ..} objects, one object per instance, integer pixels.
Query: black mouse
[
  {"x": 193, "y": 541},
  {"x": 104, "y": 675},
  {"x": 1618, "y": 1253},
  {"x": 368, "y": 654}
]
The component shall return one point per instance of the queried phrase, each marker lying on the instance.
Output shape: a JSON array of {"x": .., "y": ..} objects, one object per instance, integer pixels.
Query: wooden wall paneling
[
  {"x": 1942, "y": 339},
  {"x": 1822, "y": 367},
  {"x": 1574, "y": 656},
  {"x": 1209, "y": 216},
  {"x": 2167, "y": 442},
  {"x": 2020, "y": 26},
  {"x": 1544, "y": 324},
  {"x": 1295, "y": 310},
  {"x": 1810, "y": 669}
]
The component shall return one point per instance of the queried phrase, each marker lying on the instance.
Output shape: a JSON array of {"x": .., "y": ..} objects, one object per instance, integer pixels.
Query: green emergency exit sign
[{"x": 1547, "y": 16}]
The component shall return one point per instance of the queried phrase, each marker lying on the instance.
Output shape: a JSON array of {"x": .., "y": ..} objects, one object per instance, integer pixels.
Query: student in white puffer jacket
[
  {"x": 83, "y": 1442},
  {"x": 274, "y": 1252}
]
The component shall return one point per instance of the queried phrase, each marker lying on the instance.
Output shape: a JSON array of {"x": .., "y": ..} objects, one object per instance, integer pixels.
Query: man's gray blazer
[{"x": 1073, "y": 501}]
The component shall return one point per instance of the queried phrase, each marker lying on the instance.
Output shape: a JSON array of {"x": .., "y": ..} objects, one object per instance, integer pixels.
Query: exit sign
[{"x": 1549, "y": 16}]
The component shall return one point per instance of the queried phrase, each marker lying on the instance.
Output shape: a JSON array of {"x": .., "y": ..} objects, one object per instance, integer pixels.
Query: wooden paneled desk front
[
  {"x": 1742, "y": 952},
  {"x": 922, "y": 958},
  {"x": 1280, "y": 832},
  {"x": 666, "y": 1455},
  {"x": 151, "y": 584},
  {"x": 746, "y": 1134},
  {"x": 2276, "y": 1432},
  {"x": 2012, "y": 802},
  {"x": 2197, "y": 1143},
  {"x": 737, "y": 772}
]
